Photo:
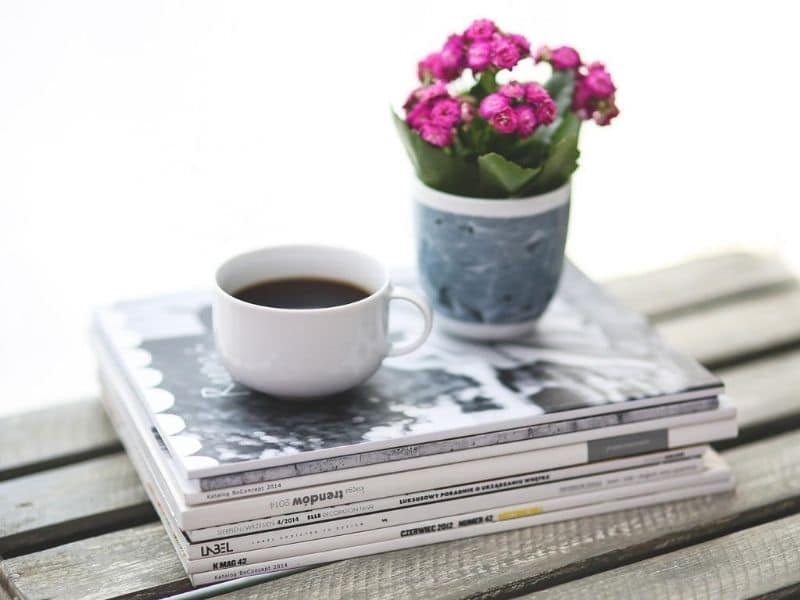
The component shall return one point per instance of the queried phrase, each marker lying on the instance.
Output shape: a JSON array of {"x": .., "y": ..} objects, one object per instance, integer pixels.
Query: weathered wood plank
[
  {"x": 767, "y": 396},
  {"x": 4, "y": 594},
  {"x": 791, "y": 592},
  {"x": 48, "y": 508},
  {"x": 701, "y": 282},
  {"x": 503, "y": 564},
  {"x": 54, "y": 436},
  {"x": 138, "y": 562},
  {"x": 744, "y": 564},
  {"x": 731, "y": 333}
]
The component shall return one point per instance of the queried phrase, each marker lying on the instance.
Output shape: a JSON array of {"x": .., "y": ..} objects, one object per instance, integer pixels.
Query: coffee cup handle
[{"x": 401, "y": 293}]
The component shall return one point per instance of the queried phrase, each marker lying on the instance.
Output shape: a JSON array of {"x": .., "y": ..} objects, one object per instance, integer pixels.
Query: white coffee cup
[{"x": 305, "y": 352}]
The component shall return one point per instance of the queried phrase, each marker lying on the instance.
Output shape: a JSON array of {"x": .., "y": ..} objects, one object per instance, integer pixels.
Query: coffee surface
[{"x": 301, "y": 292}]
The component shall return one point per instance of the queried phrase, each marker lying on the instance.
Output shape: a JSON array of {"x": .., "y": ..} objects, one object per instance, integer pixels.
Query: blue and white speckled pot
[{"x": 490, "y": 267}]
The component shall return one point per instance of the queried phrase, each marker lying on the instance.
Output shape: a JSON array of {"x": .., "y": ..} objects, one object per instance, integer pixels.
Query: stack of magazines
[{"x": 592, "y": 413}]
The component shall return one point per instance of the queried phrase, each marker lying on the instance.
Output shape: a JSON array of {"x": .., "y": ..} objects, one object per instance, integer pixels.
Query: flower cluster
[
  {"x": 482, "y": 46},
  {"x": 514, "y": 108},
  {"x": 593, "y": 97},
  {"x": 562, "y": 58},
  {"x": 469, "y": 134},
  {"x": 518, "y": 108},
  {"x": 433, "y": 113},
  {"x": 594, "y": 94}
]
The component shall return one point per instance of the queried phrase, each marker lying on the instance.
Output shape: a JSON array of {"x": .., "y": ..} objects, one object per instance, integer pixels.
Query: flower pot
[{"x": 490, "y": 267}]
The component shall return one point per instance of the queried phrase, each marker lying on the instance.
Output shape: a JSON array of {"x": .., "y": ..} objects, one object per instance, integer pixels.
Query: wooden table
[{"x": 75, "y": 522}]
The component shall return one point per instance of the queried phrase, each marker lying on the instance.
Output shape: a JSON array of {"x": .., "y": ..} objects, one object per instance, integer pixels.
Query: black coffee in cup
[{"x": 301, "y": 292}]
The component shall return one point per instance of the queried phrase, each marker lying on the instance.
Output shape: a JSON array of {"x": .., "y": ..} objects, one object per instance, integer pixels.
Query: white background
[{"x": 140, "y": 141}]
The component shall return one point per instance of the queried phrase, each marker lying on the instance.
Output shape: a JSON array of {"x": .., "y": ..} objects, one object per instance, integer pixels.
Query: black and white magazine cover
[{"x": 588, "y": 356}]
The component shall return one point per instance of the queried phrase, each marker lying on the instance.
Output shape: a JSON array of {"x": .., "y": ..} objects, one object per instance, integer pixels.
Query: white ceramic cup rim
[{"x": 302, "y": 248}]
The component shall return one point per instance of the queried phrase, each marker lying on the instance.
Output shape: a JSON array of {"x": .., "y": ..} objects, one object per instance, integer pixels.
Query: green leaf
[
  {"x": 561, "y": 161},
  {"x": 486, "y": 84},
  {"x": 500, "y": 176},
  {"x": 531, "y": 151},
  {"x": 560, "y": 87},
  {"x": 436, "y": 167}
]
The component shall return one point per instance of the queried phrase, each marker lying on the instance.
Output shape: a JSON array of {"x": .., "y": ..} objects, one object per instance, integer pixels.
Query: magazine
[
  {"x": 364, "y": 515},
  {"x": 588, "y": 357},
  {"x": 192, "y": 495},
  {"x": 713, "y": 476},
  {"x": 359, "y": 516},
  {"x": 458, "y": 527},
  {"x": 449, "y": 505},
  {"x": 337, "y": 493},
  {"x": 513, "y": 502}
]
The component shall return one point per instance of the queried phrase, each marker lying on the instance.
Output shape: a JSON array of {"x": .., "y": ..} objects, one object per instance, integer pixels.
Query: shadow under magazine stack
[{"x": 593, "y": 413}]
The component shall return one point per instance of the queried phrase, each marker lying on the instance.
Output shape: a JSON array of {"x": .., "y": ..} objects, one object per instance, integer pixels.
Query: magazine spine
[
  {"x": 450, "y": 529},
  {"x": 301, "y": 538}
]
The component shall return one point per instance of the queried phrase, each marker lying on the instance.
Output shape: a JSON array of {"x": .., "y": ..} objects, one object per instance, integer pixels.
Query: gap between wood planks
[
  {"x": 701, "y": 283},
  {"x": 52, "y": 437},
  {"x": 791, "y": 592}
]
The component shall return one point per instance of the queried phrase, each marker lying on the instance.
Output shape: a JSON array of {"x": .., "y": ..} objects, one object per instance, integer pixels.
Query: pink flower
[
  {"x": 437, "y": 66},
  {"x": 545, "y": 111},
  {"x": 505, "y": 53},
  {"x": 446, "y": 112},
  {"x": 526, "y": 120},
  {"x": 453, "y": 57},
  {"x": 445, "y": 65},
  {"x": 419, "y": 114},
  {"x": 447, "y": 68},
  {"x": 598, "y": 81},
  {"x": 480, "y": 30},
  {"x": 535, "y": 92},
  {"x": 435, "y": 90},
  {"x": 521, "y": 42},
  {"x": 429, "y": 66},
  {"x": 581, "y": 100},
  {"x": 433, "y": 113},
  {"x": 541, "y": 103},
  {"x": 565, "y": 58},
  {"x": 479, "y": 56},
  {"x": 453, "y": 49},
  {"x": 594, "y": 95},
  {"x": 436, "y": 135},
  {"x": 493, "y": 104},
  {"x": 425, "y": 93},
  {"x": 504, "y": 121},
  {"x": 513, "y": 90}
]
